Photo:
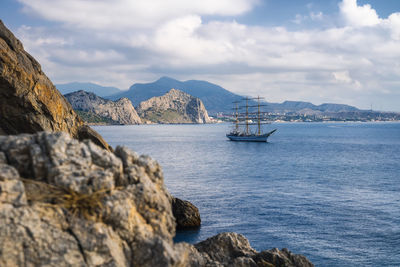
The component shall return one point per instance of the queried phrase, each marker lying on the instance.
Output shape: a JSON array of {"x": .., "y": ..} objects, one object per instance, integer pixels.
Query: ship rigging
[{"x": 246, "y": 119}]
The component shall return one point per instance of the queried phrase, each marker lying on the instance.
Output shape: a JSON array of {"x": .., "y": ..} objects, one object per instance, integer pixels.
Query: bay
[{"x": 330, "y": 191}]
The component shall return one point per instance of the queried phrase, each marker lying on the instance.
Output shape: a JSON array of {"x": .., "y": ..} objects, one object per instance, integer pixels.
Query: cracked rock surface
[{"x": 69, "y": 203}]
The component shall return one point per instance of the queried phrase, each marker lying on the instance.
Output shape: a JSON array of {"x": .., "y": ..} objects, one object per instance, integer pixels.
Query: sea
[{"x": 329, "y": 191}]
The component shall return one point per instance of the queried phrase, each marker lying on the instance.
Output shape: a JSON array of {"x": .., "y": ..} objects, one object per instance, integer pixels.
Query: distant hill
[
  {"x": 305, "y": 107},
  {"x": 99, "y": 90},
  {"x": 214, "y": 97}
]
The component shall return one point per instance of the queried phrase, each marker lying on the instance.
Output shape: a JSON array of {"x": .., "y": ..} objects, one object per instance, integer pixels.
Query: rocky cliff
[
  {"x": 70, "y": 203},
  {"x": 29, "y": 102},
  {"x": 174, "y": 107},
  {"x": 120, "y": 111}
]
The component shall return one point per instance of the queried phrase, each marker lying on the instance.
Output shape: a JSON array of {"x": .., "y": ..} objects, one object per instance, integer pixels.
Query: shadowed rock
[
  {"x": 231, "y": 249},
  {"x": 186, "y": 214},
  {"x": 29, "y": 102},
  {"x": 284, "y": 257}
]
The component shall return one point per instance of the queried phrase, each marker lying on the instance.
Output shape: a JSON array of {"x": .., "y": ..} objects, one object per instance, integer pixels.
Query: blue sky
[{"x": 341, "y": 51}]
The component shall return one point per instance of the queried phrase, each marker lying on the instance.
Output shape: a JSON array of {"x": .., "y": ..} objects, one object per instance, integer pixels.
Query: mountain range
[{"x": 215, "y": 98}]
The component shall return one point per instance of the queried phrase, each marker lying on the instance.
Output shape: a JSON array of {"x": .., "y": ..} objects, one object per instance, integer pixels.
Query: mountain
[
  {"x": 217, "y": 99},
  {"x": 99, "y": 90},
  {"x": 307, "y": 107},
  {"x": 121, "y": 111},
  {"x": 214, "y": 97},
  {"x": 174, "y": 107},
  {"x": 336, "y": 108}
]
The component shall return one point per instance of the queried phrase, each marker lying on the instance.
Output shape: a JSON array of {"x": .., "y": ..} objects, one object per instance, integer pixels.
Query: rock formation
[
  {"x": 70, "y": 203},
  {"x": 231, "y": 249},
  {"x": 120, "y": 111},
  {"x": 29, "y": 102},
  {"x": 186, "y": 214},
  {"x": 174, "y": 107}
]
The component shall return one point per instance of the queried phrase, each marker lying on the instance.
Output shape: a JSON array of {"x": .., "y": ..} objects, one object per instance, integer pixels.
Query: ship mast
[
  {"x": 247, "y": 116},
  {"x": 258, "y": 117},
  {"x": 237, "y": 119}
]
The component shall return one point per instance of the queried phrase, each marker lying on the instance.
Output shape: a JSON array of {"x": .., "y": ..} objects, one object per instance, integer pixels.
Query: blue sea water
[{"x": 330, "y": 191}]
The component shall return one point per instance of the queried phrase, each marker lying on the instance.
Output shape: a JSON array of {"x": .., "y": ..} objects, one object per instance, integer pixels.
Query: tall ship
[{"x": 246, "y": 119}]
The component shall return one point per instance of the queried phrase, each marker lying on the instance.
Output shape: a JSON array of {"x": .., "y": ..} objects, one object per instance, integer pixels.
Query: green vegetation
[
  {"x": 91, "y": 117},
  {"x": 167, "y": 116}
]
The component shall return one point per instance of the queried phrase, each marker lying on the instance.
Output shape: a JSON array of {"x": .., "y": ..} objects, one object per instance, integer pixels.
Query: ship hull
[{"x": 250, "y": 138}]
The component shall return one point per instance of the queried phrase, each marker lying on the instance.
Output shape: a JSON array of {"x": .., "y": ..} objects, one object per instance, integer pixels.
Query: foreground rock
[
  {"x": 231, "y": 249},
  {"x": 120, "y": 111},
  {"x": 174, "y": 107},
  {"x": 186, "y": 214},
  {"x": 29, "y": 102},
  {"x": 66, "y": 202},
  {"x": 70, "y": 203}
]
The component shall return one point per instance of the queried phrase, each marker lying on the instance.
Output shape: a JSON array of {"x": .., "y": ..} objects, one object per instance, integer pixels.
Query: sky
[{"x": 330, "y": 51}]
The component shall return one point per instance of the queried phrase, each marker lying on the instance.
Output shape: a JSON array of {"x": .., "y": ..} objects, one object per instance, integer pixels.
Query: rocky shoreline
[
  {"x": 64, "y": 202},
  {"x": 69, "y": 199}
]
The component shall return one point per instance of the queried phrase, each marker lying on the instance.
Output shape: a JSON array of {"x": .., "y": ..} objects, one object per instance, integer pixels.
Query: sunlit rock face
[
  {"x": 29, "y": 102},
  {"x": 120, "y": 111},
  {"x": 174, "y": 107}
]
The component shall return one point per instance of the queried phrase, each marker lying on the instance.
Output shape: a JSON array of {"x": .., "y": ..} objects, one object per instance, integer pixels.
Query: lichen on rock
[
  {"x": 134, "y": 216},
  {"x": 65, "y": 202}
]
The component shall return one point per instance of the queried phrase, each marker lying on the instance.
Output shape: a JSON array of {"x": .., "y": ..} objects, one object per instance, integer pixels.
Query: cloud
[
  {"x": 344, "y": 78},
  {"x": 358, "y": 15},
  {"x": 138, "y": 41},
  {"x": 125, "y": 14},
  {"x": 299, "y": 18}
]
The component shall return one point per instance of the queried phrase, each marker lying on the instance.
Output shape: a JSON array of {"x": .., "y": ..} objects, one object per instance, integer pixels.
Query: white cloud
[
  {"x": 299, "y": 18},
  {"x": 358, "y": 15},
  {"x": 117, "y": 14},
  {"x": 393, "y": 22},
  {"x": 130, "y": 41},
  {"x": 343, "y": 77}
]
